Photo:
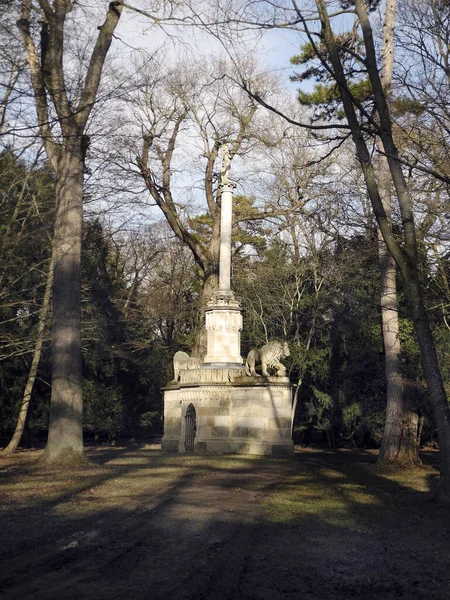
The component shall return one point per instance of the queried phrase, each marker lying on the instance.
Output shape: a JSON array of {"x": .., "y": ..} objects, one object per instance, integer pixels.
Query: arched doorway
[{"x": 190, "y": 429}]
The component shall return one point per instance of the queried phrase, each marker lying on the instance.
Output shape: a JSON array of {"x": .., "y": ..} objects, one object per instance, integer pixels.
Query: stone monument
[
  {"x": 219, "y": 406},
  {"x": 223, "y": 316}
]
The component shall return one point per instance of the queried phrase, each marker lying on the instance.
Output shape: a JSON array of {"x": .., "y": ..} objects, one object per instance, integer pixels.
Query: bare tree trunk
[
  {"x": 399, "y": 445},
  {"x": 433, "y": 378},
  {"x": 302, "y": 371},
  {"x": 396, "y": 446},
  {"x": 210, "y": 285},
  {"x": 405, "y": 255},
  {"x": 43, "y": 314},
  {"x": 389, "y": 452},
  {"x": 420, "y": 425},
  {"x": 48, "y": 77},
  {"x": 210, "y": 281},
  {"x": 65, "y": 439}
]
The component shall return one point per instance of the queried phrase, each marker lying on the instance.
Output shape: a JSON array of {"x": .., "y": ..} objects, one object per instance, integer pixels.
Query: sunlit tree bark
[
  {"x": 405, "y": 255},
  {"x": 66, "y": 153},
  {"x": 399, "y": 440}
]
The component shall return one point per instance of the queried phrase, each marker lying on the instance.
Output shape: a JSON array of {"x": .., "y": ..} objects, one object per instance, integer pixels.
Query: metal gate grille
[{"x": 190, "y": 429}]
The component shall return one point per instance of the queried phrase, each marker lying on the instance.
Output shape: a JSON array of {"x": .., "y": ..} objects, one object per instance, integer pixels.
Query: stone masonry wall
[{"x": 237, "y": 418}]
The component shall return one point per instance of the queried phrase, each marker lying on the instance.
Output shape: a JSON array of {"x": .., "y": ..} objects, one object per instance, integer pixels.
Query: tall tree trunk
[
  {"x": 210, "y": 285},
  {"x": 302, "y": 369},
  {"x": 65, "y": 438},
  {"x": 397, "y": 446},
  {"x": 392, "y": 437},
  {"x": 405, "y": 255},
  {"x": 46, "y": 63},
  {"x": 433, "y": 378},
  {"x": 23, "y": 413}
]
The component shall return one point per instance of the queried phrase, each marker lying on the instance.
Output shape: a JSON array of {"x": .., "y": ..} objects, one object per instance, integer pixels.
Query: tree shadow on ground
[{"x": 143, "y": 524}]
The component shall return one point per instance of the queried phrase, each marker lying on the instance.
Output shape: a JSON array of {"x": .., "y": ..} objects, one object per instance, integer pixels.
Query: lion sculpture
[
  {"x": 269, "y": 357},
  {"x": 182, "y": 361}
]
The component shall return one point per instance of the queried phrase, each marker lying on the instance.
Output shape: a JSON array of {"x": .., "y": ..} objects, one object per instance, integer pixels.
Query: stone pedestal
[
  {"x": 234, "y": 413},
  {"x": 223, "y": 321}
]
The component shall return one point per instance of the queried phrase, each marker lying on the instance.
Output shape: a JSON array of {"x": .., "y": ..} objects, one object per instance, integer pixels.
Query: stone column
[
  {"x": 223, "y": 314},
  {"x": 226, "y": 221}
]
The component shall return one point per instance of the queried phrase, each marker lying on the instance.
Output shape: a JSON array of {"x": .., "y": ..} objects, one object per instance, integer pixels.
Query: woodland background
[{"x": 306, "y": 249}]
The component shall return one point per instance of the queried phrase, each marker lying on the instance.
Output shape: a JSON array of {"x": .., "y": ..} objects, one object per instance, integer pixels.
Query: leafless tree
[
  {"x": 45, "y": 28},
  {"x": 315, "y": 21}
]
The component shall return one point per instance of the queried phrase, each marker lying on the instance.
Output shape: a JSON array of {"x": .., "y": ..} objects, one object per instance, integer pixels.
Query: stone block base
[
  {"x": 169, "y": 445},
  {"x": 239, "y": 417},
  {"x": 235, "y": 446}
]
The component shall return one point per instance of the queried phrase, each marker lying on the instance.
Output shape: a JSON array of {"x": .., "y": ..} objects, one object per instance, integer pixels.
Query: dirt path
[{"x": 145, "y": 525}]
